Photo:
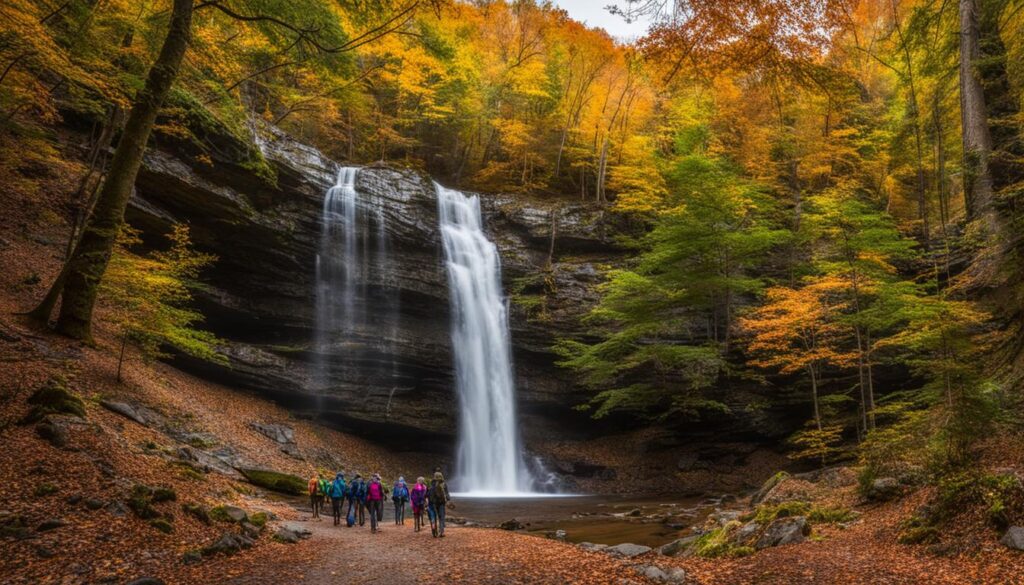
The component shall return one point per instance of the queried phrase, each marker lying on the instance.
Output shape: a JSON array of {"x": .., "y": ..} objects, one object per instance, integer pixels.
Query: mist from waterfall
[{"x": 489, "y": 458}]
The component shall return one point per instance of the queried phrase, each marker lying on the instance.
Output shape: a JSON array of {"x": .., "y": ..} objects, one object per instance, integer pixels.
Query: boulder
[
  {"x": 746, "y": 533},
  {"x": 590, "y": 546},
  {"x": 287, "y": 536},
  {"x": 722, "y": 517},
  {"x": 883, "y": 489},
  {"x": 678, "y": 546},
  {"x": 124, "y": 409},
  {"x": 297, "y": 528},
  {"x": 1014, "y": 538},
  {"x": 229, "y": 543},
  {"x": 659, "y": 575},
  {"x": 768, "y": 486},
  {"x": 784, "y": 531},
  {"x": 278, "y": 433},
  {"x": 512, "y": 524},
  {"x": 627, "y": 550}
]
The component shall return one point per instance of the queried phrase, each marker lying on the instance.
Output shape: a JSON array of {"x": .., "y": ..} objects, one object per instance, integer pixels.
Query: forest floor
[{"x": 65, "y": 512}]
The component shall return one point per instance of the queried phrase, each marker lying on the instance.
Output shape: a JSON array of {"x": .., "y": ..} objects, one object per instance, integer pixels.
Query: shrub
[{"x": 162, "y": 524}]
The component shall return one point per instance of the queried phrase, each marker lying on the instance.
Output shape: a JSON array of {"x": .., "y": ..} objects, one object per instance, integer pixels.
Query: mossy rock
[
  {"x": 926, "y": 534},
  {"x": 197, "y": 511},
  {"x": 275, "y": 481},
  {"x": 163, "y": 494},
  {"x": 768, "y": 486},
  {"x": 162, "y": 524},
  {"x": 44, "y": 489},
  {"x": 259, "y": 519},
  {"x": 53, "y": 398},
  {"x": 141, "y": 502},
  {"x": 766, "y": 513}
]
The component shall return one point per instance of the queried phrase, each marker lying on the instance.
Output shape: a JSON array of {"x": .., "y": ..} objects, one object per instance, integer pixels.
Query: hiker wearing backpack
[
  {"x": 439, "y": 499},
  {"x": 375, "y": 501},
  {"x": 336, "y": 492},
  {"x": 400, "y": 495},
  {"x": 357, "y": 500},
  {"x": 418, "y": 498},
  {"x": 315, "y": 495}
]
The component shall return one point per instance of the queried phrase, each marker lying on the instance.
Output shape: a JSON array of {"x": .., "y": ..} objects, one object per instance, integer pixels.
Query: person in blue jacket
[
  {"x": 336, "y": 491},
  {"x": 357, "y": 499}
]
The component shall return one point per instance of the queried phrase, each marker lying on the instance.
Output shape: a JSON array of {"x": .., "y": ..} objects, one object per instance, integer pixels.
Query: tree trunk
[
  {"x": 120, "y": 356},
  {"x": 977, "y": 139},
  {"x": 89, "y": 260}
]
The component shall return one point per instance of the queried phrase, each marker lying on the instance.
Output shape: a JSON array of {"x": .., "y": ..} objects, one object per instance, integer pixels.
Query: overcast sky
[{"x": 594, "y": 14}]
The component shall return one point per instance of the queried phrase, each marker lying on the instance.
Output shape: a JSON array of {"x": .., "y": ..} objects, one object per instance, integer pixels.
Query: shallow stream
[{"x": 599, "y": 519}]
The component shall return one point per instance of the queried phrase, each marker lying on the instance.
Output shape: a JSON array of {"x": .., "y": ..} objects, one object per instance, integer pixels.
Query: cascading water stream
[
  {"x": 489, "y": 459},
  {"x": 336, "y": 266}
]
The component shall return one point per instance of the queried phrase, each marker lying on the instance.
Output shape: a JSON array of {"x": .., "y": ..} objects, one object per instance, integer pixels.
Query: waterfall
[
  {"x": 337, "y": 264},
  {"x": 489, "y": 459}
]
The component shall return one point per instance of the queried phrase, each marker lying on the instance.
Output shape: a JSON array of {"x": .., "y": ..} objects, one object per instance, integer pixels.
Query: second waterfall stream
[{"x": 489, "y": 458}]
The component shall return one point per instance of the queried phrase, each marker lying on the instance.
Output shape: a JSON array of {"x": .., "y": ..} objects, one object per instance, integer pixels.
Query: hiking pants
[
  {"x": 362, "y": 512},
  {"x": 314, "y": 503},
  {"x": 399, "y": 511},
  {"x": 376, "y": 512},
  {"x": 439, "y": 511},
  {"x": 336, "y": 505}
]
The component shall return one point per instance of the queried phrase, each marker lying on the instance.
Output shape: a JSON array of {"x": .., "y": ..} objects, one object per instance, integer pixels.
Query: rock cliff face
[{"x": 394, "y": 375}]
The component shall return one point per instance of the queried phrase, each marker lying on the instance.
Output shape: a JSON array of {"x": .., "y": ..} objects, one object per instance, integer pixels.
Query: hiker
[
  {"x": 439, "y": 499},
  {"x": 375, "y": 501},
  {"x": 324, "y": 487},
  {"x": 355, "y": 500},
  {"x": 315, "y": 495},
  {"x": 400, "y": 495},
  {"x": 418, "y": 497},
  {"x": 336, "y": 491}
]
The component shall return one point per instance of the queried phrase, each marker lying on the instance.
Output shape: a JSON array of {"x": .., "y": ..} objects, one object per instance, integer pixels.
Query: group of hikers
[{"x": 366, "y": 498}]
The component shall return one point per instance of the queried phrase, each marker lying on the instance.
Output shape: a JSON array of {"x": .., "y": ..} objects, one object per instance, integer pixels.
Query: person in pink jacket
[{"x": 375, "y": 494}]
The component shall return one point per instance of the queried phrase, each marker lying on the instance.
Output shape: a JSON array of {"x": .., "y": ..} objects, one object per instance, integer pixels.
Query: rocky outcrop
[{"x": 393, "y": 376}]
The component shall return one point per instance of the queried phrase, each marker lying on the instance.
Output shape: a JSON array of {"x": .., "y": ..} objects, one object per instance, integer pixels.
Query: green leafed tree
[{"x": 148, "y": 297}]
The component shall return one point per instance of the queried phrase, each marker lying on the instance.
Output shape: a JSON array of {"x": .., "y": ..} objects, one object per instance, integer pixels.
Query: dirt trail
[{"x": 398, "y": 555}]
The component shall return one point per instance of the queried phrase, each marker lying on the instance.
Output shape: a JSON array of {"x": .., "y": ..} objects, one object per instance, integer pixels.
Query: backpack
[
  {"x": 313, "y": 487},
  {"x": 375, "y": 491},
  {"x": 400, "y": 491},
  {"x": 321, "y": 487},
  {"x": 437, "y": 495},
  {"x": 418, "y": 495},
  {"x": 337, "y": 489}
]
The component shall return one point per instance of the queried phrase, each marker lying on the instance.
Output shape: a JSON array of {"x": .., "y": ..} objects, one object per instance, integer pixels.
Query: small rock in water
[{"x": 1014, "y": 538}]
